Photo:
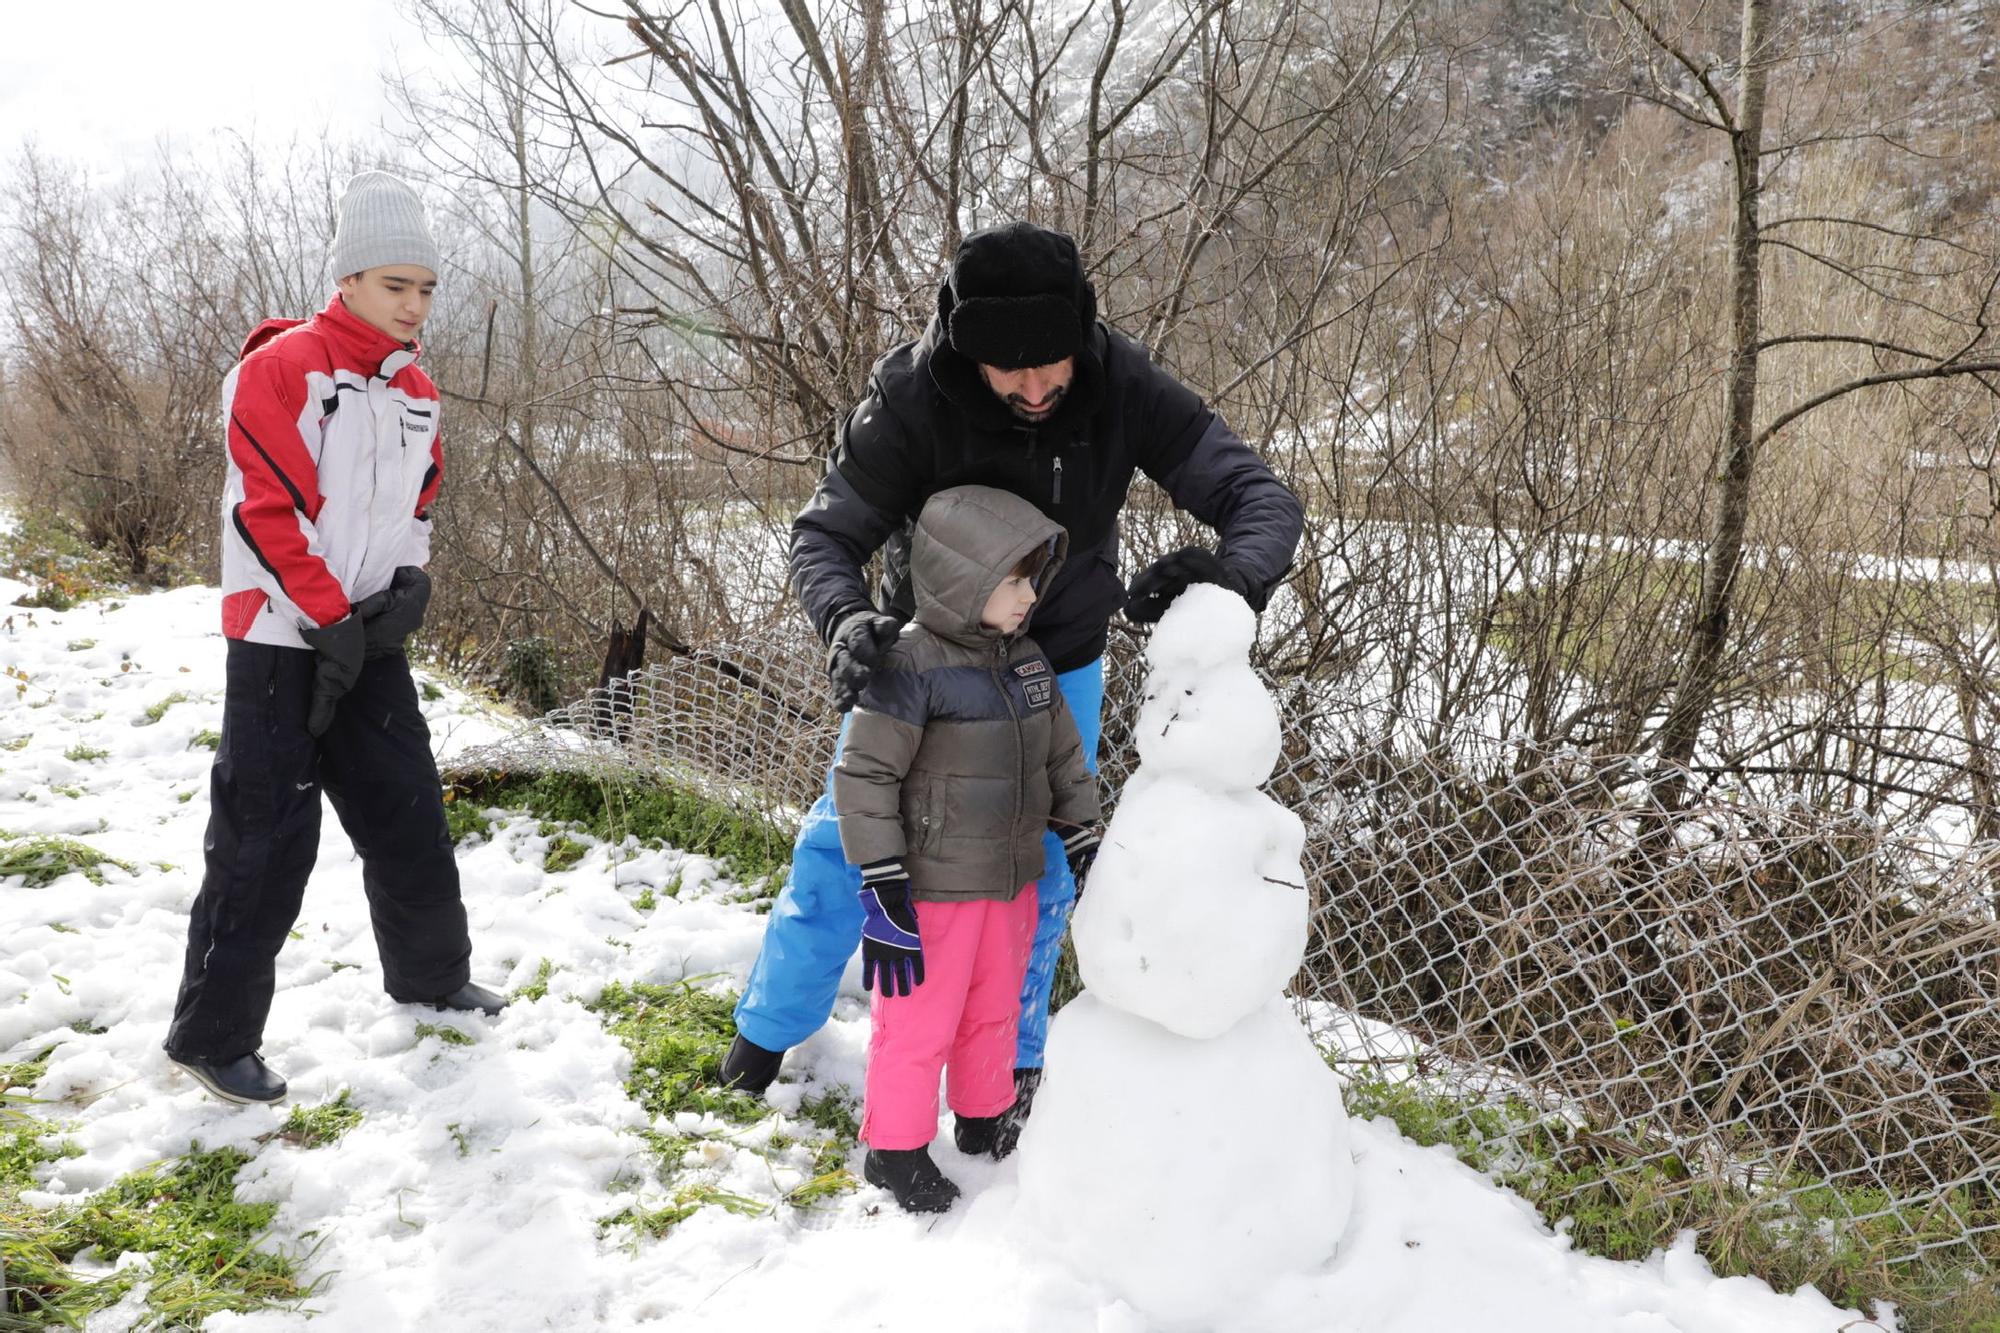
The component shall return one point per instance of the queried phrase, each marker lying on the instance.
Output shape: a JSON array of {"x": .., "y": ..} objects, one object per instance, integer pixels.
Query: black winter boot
[
  {"x": 244, "y": 1080},
  {"x": 1014, "y": 1119},
  {"x": 912, "y": 1177},
  {"x": 749, "y": 1067},
  {"x": 467, "y": 999},
  {"x": 976, "y": 1134}
]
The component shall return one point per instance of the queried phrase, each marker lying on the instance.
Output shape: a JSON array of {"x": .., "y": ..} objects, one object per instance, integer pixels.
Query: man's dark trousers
[{"x": 263, "y": 832}]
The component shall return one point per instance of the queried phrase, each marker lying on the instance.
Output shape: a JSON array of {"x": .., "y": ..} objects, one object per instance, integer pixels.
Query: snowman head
[{"x": 1205, "y": 713}]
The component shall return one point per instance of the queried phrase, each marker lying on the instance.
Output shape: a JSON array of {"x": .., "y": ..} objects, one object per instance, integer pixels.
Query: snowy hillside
[{"x": 497, "y": 1168}]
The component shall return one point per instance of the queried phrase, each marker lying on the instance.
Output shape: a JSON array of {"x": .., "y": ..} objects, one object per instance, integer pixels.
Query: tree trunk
[{"x": 1737, "y": 461}]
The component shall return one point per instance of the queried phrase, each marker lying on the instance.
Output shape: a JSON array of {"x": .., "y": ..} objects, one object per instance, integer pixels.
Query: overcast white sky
[{"x": 103, "y": 80}]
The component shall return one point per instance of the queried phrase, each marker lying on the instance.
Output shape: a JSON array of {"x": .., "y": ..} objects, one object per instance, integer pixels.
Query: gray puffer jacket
[{"x": 962, "y": 751}]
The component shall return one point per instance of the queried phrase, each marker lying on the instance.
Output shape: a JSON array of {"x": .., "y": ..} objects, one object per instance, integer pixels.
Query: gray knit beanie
[{"x": 381, "y": 223}]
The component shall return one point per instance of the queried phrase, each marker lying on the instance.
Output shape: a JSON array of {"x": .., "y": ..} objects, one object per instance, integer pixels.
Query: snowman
[{"x": 1189, "y": 1144}]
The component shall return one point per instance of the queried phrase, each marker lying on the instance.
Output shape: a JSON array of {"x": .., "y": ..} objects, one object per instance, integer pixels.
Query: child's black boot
[
  {"x": 976, "y": 1134},
  {"x": 912, "y": 1177}
]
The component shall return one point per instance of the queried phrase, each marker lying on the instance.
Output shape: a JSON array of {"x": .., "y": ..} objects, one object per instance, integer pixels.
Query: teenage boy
[{"x": 333, "y": 463}]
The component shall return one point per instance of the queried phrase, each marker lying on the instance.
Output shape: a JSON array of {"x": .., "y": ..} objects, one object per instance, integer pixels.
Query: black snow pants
[{"x": 375, "y": 765}]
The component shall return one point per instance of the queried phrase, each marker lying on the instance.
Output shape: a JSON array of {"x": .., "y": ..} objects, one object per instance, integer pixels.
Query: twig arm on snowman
[{"x": 882, "y": 741}]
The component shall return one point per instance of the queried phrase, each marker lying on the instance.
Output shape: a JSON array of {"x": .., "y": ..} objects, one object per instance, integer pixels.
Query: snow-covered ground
[{"x": 470, "y": 1196}]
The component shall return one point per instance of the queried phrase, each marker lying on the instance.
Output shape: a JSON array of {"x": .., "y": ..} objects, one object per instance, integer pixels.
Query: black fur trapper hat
[{"x": 1016, "y": 297}]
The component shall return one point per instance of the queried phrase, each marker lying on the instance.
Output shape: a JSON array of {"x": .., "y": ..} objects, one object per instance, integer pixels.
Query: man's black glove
[
  {"x": 1156, "y": 586},
  {"x": 392, "y": 615},
  {"x": 860, "y": 641},
  {"x": 340, "y": 647},
  {"x": 1080, "y": 851}
]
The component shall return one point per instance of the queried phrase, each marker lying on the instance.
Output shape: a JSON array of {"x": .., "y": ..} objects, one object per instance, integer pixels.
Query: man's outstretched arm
[
  {"x": 1210, "y": 472},
  {"x": 869, "y": 491}
]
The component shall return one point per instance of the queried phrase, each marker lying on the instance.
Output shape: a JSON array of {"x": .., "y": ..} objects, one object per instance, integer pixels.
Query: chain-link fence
[{"x": 1717, "y": 992}]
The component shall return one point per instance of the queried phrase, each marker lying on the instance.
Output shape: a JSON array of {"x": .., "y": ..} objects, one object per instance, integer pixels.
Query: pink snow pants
[{"x": 962, "y": 1019}]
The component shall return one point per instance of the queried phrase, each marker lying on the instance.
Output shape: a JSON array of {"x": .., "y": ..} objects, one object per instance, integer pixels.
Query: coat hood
[
  {"x": 967, "y": 539},
  {"x": 264, "y": 332}
]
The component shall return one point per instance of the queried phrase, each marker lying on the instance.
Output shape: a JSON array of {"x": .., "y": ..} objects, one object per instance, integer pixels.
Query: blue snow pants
[{"x": 815, "y": 926}]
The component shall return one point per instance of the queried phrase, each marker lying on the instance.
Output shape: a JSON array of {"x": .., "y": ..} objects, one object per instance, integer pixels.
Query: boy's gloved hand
[
  {"x": 860, "y": 641},
  {"x": 392, "y": 615},
  {"x": 890, "y": 948},
  {"x": 1080, "y": 850},
  {"x": 1154, "y": 588},
  {"x": 340, "y": 647}
]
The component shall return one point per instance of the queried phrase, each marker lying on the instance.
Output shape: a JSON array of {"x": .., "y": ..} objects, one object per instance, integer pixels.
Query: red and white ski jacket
[{"x": 334, "y": 460}]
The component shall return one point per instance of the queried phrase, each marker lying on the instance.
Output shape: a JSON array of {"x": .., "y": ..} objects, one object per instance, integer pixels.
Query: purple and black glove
[
  {"x": 860, "y": 642},
  {"x": 1154, "y": 588},
  {"x": 891, "y": 951}
]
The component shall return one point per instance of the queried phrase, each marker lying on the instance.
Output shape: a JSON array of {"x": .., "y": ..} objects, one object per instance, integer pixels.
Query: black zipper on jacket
[
  {"x": 1020, "y": 759},
  {"x": 1055, "y": 484}
]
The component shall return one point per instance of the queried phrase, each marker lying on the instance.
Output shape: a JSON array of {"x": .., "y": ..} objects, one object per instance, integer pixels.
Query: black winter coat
[{"x": 929, "y": 422}]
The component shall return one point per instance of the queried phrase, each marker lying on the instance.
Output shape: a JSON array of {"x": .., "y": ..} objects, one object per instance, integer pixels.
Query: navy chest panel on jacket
[{"x": 971, "y": 693}]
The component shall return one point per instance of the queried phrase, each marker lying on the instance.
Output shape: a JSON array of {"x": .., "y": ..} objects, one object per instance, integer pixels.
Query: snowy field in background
[{"x": 470, "y": 1195}]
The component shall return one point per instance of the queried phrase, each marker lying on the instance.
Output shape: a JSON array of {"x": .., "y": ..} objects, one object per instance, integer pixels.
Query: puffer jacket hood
[{"x": 967, "y": 539}]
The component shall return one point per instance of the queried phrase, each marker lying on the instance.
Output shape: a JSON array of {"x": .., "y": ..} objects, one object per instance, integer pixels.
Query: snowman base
[{"x": 1186, "y": 1174}]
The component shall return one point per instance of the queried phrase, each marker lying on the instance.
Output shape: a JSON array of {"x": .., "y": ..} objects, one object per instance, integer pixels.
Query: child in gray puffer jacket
[{"x": 960, "y": 755}]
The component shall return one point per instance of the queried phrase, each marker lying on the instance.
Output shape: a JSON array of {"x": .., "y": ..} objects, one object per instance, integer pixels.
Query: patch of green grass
[
  {"x": 538, "y": 987},
  {"x": 430, "y": 690},
  {"x": 49, "y": 551},
  {"x": 754, "y": 849},
  {"x": 465, "y": 819},
  {"x": 834, "y": 1111},
  {"x": 317, "y": 1126},
  {"x": 1624, "y": 1200},
  {"x": 85, "y": 754},
  {"x": 563, "y": 852},
  {"x": 646, "y": 901},
  {"x": 154, "y": 712},
  {"x": 450, "y": 1036},
  {"x": 657, "y": 1222},
  {"x": 79, "y": 645},
  {"x": 677, "y": 1035},
  {"x": 18, "y": 1078},
  {"x": 184, "y": 797},
  {"x": 19, "y": 742},
  {"x": 207, "y": 740},
  {"x": 183, "y": 1214},
  {"x": 44, "y": 860}
]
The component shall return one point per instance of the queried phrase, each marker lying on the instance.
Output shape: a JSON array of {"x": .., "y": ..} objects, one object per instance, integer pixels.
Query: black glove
[
  {"x": 1156, "y": 586},
  {"x": 340, "y": 647},
  {"x": 392, "y": 615},
  {"x": 1080, "y": 850},
  {"x": 860, "y": 641},
  {"x": 891, "y": 950}
]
